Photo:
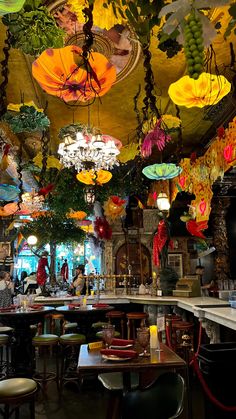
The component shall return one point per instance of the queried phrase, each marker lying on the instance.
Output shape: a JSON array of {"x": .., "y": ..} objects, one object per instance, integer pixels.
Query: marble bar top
[{"x": 208, "y": 308}]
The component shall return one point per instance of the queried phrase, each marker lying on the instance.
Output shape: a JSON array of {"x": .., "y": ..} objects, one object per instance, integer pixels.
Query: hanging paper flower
[
  {"x": 207, "y": 90},
  {"x": 64, "y": 73},
  {"x": 162, "y": 171},
  {"x": 52, "y": 162},
  {"x": 169, "y": 121},
  {"x": 104, "y": 17},
  {"x": 102, "y": 228},
  {"x": 13, "y": 208},
  {"x": 27, "y": 120},
  {"x": 10, "y": 6},
  {"x": 114, "y": 207},
  {"x": 90, "y": 177},
  {"x": 157, "y": 137},
  {"x": 33, "y": 29},
  {"x": 78, "y": 215},
  {"x": 195, "y": 228},
  {"x": 128, "y": 152},
  {"x": 8, "y": 192}
]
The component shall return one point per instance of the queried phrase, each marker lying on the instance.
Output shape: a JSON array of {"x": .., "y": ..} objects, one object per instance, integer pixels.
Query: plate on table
[
  {"x": 130, "y": 345},
  {"x": 114, "y": 358}
]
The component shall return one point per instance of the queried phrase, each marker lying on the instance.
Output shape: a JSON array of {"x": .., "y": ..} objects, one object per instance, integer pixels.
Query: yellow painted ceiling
[{"x": 114, "y": 113}]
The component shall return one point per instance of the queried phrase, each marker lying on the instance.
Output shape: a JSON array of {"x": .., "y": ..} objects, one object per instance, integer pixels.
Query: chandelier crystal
[{"x": 86, "y": 148}]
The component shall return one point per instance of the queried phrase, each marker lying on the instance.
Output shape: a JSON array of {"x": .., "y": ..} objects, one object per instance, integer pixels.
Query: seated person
[
  {"x": 30, "y": 283},
  {"x": 78, "y": 284},
  {"x": 6, "y": 289}
]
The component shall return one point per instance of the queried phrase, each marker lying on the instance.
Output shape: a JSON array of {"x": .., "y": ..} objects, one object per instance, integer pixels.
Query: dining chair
[{"x": 163, "y": 399}]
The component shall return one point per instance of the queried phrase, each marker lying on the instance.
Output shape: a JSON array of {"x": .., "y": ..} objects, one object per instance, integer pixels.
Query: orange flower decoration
[
  {"x": 114, "y": 207},
  {"x": 64, "y": 73},
  {"x": 78, "y": 215},
  {"x": 89, "y": 177}
]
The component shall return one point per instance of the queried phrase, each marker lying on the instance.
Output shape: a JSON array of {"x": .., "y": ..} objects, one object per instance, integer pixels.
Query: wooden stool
[
  {"x": 178, "y": 330},
  {"x": 115, "y": 316},
  {"x": 46, "y": 342},
  {"x": 14, "y": 392},
  {"x": 70, "y": 344},
  {"x": 54, "y": 318},
  {"x": 133, "y": 318},
  {"x": 4, "y": 365}
]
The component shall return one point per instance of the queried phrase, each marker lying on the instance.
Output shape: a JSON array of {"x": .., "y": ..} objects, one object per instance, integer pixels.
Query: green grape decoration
[{"x": 193, "y": 46}]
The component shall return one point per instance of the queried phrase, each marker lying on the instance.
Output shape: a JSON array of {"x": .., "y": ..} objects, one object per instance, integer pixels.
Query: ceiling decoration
[
  {"x": 162, "y": 171},
  {"x": 112, "y": 37},
  {"x": 10, "y": 6}
]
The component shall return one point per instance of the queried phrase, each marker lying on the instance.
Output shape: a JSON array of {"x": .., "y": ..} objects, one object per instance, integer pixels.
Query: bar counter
[{"x": 213, "y": 309}]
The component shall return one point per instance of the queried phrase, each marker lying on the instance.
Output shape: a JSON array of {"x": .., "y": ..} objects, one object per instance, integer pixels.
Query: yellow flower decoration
[
  {"x": 114, "y": 207},
  {"x": 207, "y": 90},
  {"x": 102, "y": 17},
  {"x": 16, "y": 106},
  {"x": 87, "y": 229},
  {"x": 170, "y": 121},
  {"x": 128, "y": 152},
  {"x": 89, "y": 177},
  {"x": 78, "y": 215},
  {"x": 52, "y": 162}
]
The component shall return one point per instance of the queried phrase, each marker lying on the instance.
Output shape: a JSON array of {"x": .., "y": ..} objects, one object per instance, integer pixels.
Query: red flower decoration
[
  {"x": 228, "y": 153},
  {"x": 102, "y": 228},
  {"x": 117, "y": 200},
  {"x": 195, "y": 228}
]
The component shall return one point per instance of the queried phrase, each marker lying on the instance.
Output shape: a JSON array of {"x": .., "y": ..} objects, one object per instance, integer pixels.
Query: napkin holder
[{"x": 188, "y": 286}]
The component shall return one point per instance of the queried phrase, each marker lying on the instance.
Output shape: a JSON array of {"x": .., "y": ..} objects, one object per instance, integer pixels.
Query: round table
[
  {"x": 22, "y": 359},
  {"x": 85, "y": 317}
]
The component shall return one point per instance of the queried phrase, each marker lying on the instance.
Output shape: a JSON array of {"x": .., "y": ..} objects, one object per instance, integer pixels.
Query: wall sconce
[
  {"x": 163, "y": 203},
  {"x": 89, "y": 195}
]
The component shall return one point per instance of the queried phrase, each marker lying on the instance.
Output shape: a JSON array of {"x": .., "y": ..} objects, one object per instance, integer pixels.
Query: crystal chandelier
[
  {"x": 33, "y": 201},
  {"x": 86, "y": 148}
]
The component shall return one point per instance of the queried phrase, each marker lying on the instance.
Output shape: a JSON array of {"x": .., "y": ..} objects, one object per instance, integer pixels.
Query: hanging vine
[
  {"x": 4, "y": 72},
  {"x": 44, "y": 147}
]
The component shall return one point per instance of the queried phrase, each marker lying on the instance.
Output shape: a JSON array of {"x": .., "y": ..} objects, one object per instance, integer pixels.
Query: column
[{"x": 220, "y": 239}]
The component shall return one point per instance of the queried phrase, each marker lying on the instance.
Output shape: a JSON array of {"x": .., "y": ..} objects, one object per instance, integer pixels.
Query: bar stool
[
  {"x": 4, "y": 365},
  {"x": 69, "y": 327},
  {"x": 70, "y": 344},
  {"x": 178, "y": 329},
  {"x": 133, "y": 318},
  {"x": 57, "y": 317},
  {"x": 46, "y": 342},
  {"x": 99, "y": 334},
  {"x": 118, "y": 318},
  {"x": 14, "y": 392}
]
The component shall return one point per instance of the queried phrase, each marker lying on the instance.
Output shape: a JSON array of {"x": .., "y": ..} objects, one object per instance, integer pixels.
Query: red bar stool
[
  {"x": 135, "y": 319},
  {"x": 118, "y": 319}
]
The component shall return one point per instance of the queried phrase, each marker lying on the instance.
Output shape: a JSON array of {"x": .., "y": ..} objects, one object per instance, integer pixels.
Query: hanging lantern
[
  {"x": 163, "y": 203},
  {"x": 65, "y": 73},
  {"x": 207, "y": 90},
  {"x": 89, "y": 195}
]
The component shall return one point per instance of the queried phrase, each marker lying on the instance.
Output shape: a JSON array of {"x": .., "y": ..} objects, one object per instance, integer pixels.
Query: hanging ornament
[
  {"x": 114, "y": 207},
  {"x": 162, "y": 171},
  {"x": 102, "y": 228}
]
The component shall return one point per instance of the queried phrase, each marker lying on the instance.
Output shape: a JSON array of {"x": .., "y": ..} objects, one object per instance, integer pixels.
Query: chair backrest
[{"x": 164, "y": 399}]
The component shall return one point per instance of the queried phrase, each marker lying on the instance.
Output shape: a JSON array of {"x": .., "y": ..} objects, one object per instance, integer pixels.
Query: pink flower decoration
[{"x": 157, "y": 137}]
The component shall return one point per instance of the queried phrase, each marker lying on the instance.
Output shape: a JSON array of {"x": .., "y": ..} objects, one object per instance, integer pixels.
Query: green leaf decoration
[
  {"x": 33, "y": 29},
  {"x": 27, "y": 120}
]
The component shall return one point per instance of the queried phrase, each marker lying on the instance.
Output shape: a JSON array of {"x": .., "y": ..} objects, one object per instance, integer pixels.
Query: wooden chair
[{"x": 117, "y": 318}]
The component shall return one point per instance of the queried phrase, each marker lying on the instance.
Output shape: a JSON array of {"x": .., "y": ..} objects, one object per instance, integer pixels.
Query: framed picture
[
  {"x": 175, "y": 260},
  {"x": 5, "y": 249}
]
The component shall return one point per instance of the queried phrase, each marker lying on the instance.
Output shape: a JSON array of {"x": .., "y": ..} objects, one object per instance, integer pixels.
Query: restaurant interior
[{"x": 117, "y": 209}]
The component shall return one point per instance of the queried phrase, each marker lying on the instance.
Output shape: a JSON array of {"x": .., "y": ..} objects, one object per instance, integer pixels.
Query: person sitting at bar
[
  {"x": 79, "y": 284},
  {"x": 6, "y": 289},
  {"x": 30, "y": 284}
]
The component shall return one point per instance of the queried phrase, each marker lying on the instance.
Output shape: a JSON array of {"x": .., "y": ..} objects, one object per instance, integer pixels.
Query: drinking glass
[
  {"x": 143, "y": 337},
  {"x": 108, "y": 332}
]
